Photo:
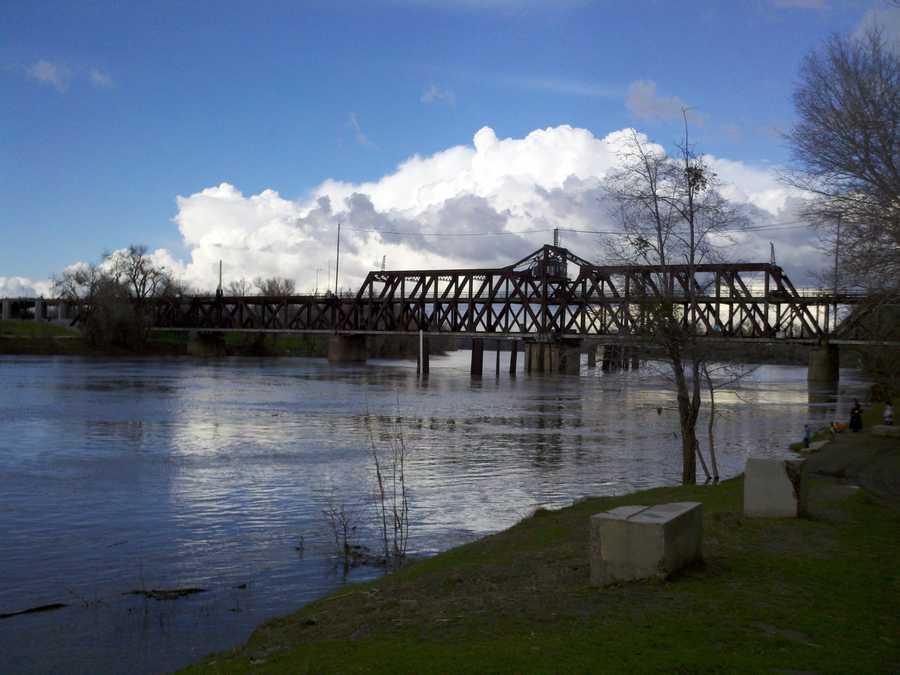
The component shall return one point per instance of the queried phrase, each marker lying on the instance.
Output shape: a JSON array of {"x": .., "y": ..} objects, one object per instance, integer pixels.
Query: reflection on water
[{"x": 123, "y": 475}]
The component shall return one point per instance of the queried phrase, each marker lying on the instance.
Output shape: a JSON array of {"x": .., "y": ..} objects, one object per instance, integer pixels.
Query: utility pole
[
  {"x": 316, "y": 292},
  {"x": 337, "y": 263}
]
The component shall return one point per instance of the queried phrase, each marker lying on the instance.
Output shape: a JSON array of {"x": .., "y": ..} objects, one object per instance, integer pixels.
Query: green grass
[
  {"x": 258, "y": 344},
  {"x": 25, "y": 328},
  {"x": 820, "y": 594}
]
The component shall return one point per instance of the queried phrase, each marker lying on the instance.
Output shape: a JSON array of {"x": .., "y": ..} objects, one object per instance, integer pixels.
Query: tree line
[{"x": 118, "y": 290}]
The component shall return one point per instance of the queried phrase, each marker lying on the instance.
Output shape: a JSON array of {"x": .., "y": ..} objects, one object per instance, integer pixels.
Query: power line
[
  {"x": 412, "y": 233},
  {"x": 452, "y": 235}
]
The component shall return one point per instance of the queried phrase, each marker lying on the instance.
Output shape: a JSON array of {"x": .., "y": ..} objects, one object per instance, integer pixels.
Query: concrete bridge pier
[
  {"x": 38, "y": 310},
  {"x": 534, "y": 356},
  {"x": 422, "y": 358},
  {"x": 6, "y": 312},
  {"x": 553, "y": 358},
  {"x": 824, "y": 362},
  {"x": 569, "y": 360},
  {"x": 347, "y": 349},
  {"x": 477, "y": 369},
  {"x": 611, "y": 357},
  {"x": 203, "y": 343},
  {"x": 513, "y": 356},
  {"x": 592, "y": 356}
]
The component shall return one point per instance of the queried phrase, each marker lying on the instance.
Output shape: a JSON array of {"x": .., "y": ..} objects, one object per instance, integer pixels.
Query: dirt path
[{"x": 873, "y": 462}]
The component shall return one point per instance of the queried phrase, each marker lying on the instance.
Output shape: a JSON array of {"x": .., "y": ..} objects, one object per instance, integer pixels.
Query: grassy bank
[
  {"x": 872, "y": 414},
  {"x": 820, "y": 594},
  {"x": 17, "y": 328}
]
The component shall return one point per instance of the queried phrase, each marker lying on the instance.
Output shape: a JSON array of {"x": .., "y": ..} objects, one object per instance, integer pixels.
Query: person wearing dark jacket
[{"x": 855, "y": 416}]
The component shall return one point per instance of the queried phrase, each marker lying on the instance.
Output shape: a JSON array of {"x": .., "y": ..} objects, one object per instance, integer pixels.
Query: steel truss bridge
[{"x": 550, "y": 294}]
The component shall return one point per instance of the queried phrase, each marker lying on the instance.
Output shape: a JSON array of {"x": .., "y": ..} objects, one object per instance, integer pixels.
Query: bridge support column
[
  {"x": 552, "y": 358},
  {"x": 205, "y": 344},
  {"x": 592, "y": 356},
  {"x": 824, "y": 365},
  {"x": 569, "y": 358},
  {"x": 6, "y": 314},
  {"x": 610, "y": 357},
  {"x": 513, "y": 355},
  {"x": 477, "y": 368},
  {"x": 535, "y": 353},
  {"x": 38, "y": 310},
  {"x": 347, "y": 349},
  {"x": 62, "y": 311},
  {"x": 422, "y": 362}
]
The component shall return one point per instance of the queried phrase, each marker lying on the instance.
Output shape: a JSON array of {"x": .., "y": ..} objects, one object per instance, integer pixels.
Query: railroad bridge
[{"x": 554, "y": 301}]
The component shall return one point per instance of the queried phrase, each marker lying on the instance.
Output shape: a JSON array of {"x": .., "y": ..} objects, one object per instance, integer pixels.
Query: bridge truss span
[{"x": 550, "y": 293}]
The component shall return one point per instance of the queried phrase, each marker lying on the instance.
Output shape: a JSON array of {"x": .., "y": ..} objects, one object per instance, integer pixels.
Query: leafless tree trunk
[
  {"x": 711, "y": 426},
  {"x": 668, "y": 208}
]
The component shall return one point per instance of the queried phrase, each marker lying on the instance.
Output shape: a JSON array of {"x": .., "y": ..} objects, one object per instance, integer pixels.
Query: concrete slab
[
  {"x": 888, "y": 430},
  {"x": 813, "y": 447},
  {"x": 774, "y": 488},
  {"x": 640, "y": 542}
]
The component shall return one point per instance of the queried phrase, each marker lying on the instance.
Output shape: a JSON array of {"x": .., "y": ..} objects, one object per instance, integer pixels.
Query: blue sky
[{"x": 110, "y": 110}]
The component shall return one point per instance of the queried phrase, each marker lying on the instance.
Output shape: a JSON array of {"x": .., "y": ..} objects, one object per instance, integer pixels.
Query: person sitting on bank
[
  {"x": 856, "y": 423},
  {"x": 888, "y": 413}
]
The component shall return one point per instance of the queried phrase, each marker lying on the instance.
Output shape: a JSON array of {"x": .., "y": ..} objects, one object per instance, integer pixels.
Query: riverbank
[
  {"x": 820, "y": 594},
  {"x": 39, "y": 338}
]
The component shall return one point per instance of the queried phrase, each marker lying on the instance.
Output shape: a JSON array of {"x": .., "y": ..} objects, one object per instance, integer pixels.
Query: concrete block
[
  {"x": 888, "y": 430},
  {"x": 640, "y": 542},
  {"x": 347, "y": 349},
  {"x": 774, "y": 488}
]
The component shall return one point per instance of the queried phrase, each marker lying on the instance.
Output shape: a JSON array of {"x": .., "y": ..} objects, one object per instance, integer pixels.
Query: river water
[{"x": 122, "y": 475}]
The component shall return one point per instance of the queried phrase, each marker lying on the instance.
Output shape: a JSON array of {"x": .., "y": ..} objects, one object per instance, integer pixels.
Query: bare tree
[
  {"x": 239, "y": 288},
  {"x": 77, "y": 283},
  {"x": 274, "y": 286},
  {"x": 143, "y": 278},
  {"x": 342, "y": 523},
  {"x": 392, "y": 498},
  {"x": 112, "y": 294},
  {"x": 718, "y": 377},
  {"x": 846, "y": 150},
  {"x": 671, "y": 211}
]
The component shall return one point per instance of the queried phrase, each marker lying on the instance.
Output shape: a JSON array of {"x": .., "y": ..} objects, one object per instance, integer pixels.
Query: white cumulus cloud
[
  {"x": 550, "y": 178},
  {"x": 22, "y": 287}
]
